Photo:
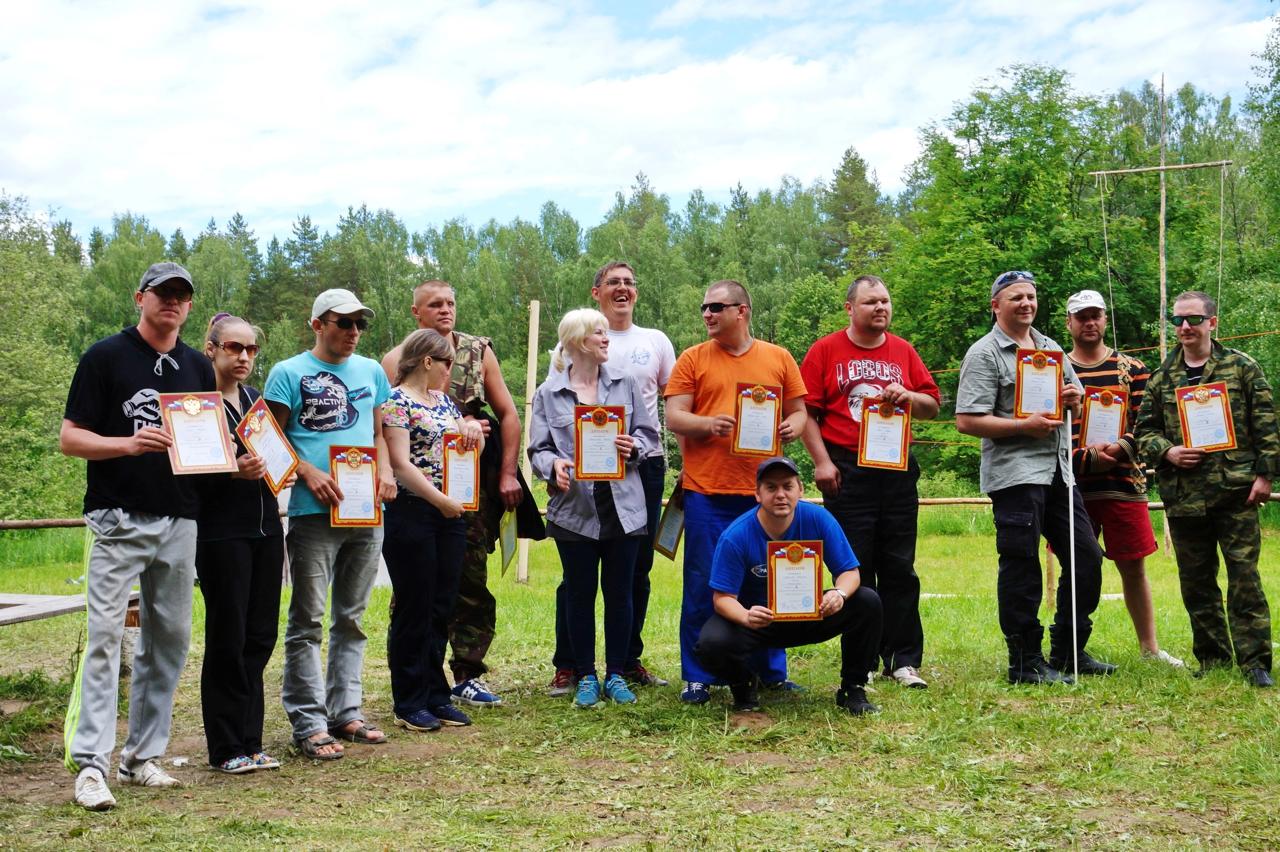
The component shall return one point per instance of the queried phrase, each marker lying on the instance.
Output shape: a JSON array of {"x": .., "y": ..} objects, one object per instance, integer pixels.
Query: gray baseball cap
[
  {"x": 159, "y": 273},
  {"x": 340, "y": 302},
  {"x": 777, "y": 461},
  {"x": 1085, "y": 299}
]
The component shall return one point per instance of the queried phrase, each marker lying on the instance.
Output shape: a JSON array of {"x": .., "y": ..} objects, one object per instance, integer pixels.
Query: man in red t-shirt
[{"x": 876, "y": 507}]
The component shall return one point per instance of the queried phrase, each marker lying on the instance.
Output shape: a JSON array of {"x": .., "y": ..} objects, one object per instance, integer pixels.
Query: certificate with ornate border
[
  {"x": 595, "y": 456},
  {"x": 1205, "y": 414},
  {"x": 461, "y": 472},
  {"x": 355, "y": 470},
  {"x": 666, "y": 538},
  {"x": 757, "y": 414},
  {"x": 1105, "y": 415},
  {"x": 260, "y": 433},
  {"x": 884, "y": 435},
  {"x": 795, "y": 580},
  {"x": 1038, "y": 383},
  {"x": 201, "y": 443}
]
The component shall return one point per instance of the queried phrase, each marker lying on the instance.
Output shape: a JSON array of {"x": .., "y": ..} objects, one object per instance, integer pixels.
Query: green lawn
[{"x": 1150, "y": 758}]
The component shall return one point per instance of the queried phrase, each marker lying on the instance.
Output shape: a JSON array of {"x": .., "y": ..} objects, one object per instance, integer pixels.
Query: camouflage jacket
[{"x": 1191, "y": 492}]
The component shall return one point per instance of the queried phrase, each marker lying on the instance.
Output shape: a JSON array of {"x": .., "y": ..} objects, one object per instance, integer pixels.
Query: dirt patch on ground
[
  {"x": 12, "y": 707},
  {"x": 753, "y": 721}
]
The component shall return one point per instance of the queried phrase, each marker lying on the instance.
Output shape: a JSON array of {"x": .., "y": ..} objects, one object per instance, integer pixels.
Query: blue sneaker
[
  {"x": 474, "y": 692},
  {"x": 617, "y": 691},
  {"x": 451, "y": 716},
  {"x": 695, "y": 692},
  {"x": 588, "y": 692},
  {"x": 419, "y": 720}
]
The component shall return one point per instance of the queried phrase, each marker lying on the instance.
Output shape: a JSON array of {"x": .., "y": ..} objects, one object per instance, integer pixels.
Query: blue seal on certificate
[
  {"x": 1220, "y": 433},
  {"x": 807, "y": 602},
  {"x": 467, "y": 492},
  {"x": 1048, "y": 405},
  {"x": 366, "y": 507}
]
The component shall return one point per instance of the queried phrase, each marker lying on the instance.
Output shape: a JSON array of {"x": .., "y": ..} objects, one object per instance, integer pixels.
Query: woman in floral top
[{"x": 425, "y": 533}]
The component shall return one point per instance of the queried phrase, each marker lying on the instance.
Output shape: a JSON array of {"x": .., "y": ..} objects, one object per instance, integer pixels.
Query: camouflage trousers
[
  {"x": 1246, "y": 624},
  {"x": 475, "y": 614}
]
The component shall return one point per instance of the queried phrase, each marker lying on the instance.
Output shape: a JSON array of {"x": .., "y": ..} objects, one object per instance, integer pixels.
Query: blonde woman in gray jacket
[{"x": 597, "y": 526}]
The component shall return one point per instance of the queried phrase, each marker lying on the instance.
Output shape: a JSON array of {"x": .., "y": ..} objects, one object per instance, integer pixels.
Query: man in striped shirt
[{"x": 1109, "y": 476}]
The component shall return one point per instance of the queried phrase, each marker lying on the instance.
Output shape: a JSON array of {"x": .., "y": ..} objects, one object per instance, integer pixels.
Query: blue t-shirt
[
  {"x": 329, "y": 404},
  {"x": 739, "y": 566}
]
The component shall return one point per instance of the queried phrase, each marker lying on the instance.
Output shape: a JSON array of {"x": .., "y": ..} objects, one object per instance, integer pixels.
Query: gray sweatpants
[{"x": 159, "y": 554}]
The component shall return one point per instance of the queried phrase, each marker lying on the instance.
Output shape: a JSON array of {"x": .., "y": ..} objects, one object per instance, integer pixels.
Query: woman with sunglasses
[
  {"x": 425, "y": 533},
  {"x": 597, "y": 526},
  {"x": 239, "y": 562}
]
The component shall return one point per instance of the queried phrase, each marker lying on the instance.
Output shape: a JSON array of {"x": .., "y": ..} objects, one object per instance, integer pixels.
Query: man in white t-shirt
[{"x": 647, "y": 355}]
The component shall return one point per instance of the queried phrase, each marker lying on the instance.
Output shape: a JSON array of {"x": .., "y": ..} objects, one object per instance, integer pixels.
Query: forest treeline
[{"x": 1001, "y": 183}]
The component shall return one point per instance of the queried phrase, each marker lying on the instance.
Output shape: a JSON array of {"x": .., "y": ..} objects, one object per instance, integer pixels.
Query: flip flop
[
  {"x": 359, "y": 734},
  {"x": 310, "y": 748}
]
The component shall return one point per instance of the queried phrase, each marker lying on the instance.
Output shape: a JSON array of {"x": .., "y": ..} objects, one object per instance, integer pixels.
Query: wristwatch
[{"x": 838, "y": 592}]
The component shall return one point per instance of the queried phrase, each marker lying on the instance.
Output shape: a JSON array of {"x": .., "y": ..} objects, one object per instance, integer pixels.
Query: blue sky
[{"x": 485, "y": 110}]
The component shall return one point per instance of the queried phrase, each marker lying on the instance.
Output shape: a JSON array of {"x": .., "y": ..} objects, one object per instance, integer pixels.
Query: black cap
[
  {"x": 158, "y": 273},
  {"x": 777, "y": 461}
]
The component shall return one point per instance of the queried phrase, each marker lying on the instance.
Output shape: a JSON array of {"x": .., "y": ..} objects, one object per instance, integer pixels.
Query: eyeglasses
[
  {"x": 717, "y": 307},
  {"x": 1189, "y": 319},
  {"x": 164, "y": 294},
  {"x": 233, "y": 348},
  {"x": 621, "y": 282},
  {"x": 1015, "y": 275},
  {"x": 347, "y": 323}
]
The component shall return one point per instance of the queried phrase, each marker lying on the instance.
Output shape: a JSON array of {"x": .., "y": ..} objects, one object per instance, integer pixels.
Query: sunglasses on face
[
  {"x": 164, "y": 294},
  {"x": 448, "y": 362},
  {"x": 1189, "y": 319},
  {"x": 717, "y": 307},
  {"x": 347, "y": 323},
  {"x": 1015, "y": 275},
  {"x": 231, "y": 347}
]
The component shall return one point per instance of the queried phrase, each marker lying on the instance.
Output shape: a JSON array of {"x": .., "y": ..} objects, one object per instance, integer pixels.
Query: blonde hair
[
  {"x": 420, "y": 344},
  {"x": 222, "y": 321},
  {"x": 573, "y": 330}
]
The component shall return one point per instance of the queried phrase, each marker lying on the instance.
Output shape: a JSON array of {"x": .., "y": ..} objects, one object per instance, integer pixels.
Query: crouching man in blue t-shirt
[{"x": 742, "y": 622}]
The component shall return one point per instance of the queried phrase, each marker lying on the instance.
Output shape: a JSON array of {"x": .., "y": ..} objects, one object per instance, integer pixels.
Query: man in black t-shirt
[{"x": 143, "y": 521}]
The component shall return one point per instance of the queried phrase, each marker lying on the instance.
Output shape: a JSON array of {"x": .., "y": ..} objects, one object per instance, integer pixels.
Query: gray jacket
[{"x": 551, "y": 437}]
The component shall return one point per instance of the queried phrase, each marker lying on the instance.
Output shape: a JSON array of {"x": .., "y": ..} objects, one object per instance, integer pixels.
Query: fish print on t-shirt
[
  {"x": 144, "y": 408},
  {"x": 327, "y": 403}
]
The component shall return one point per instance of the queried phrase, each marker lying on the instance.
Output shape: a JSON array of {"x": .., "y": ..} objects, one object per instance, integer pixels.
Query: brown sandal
[
  {"x": 311, "y": 748},
  {"x": 359, "y": 734}
]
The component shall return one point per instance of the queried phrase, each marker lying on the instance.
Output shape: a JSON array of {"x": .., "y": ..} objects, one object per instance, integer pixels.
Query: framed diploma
[
  {"x": 885, "y": 434},
  {"x": 259, "y": 432},
  {"x": 355, "y": 469},
  {"x": 461, "y": 472},
  {"x": 758, "y": 411},
  {"x": 507, "y": 538},
  {"x": 795, "y": 580},
  {"x": 595, "y": 456},
  {"x": 201, "y": 443},
  {"x": 1038, "y": 384},
  {"x": 666, "y": 538},
  {"x": 1205, "y": 414},
  {"x": 1104, "y": 416}
]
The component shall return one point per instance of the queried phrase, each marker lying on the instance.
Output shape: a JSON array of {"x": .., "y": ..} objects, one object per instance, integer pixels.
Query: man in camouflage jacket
[{"x": 1211, "y": 498}]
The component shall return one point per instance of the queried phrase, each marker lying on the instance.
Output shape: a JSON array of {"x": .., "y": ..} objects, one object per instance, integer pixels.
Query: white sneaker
[
  {"x": 1165, "y": 657},
  {"x": 149, "y": 774},
  {"x": 909, "y": 677},
  {"x": 92, "y": 792}
]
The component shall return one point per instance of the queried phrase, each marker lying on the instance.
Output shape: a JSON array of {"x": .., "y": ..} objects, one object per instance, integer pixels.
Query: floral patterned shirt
[{"x": 426, "y": 424}]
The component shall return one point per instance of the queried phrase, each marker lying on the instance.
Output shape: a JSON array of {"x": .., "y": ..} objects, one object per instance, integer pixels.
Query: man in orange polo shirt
[{"x": 720, "y": 485}]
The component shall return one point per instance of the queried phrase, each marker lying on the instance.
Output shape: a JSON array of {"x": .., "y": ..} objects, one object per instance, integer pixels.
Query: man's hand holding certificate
[
  {"x": 1205, "y": 415},
  {"x": 198, "y": 427},
  {"x": 795, "y": 580},
  {"x": 355, "y": 474},
  {"x": 758, "y": 416},
  {"x": 1105, "y": 413},
  {"x": 1038, "y": 383},
  {"x": 885, "y": 434}
]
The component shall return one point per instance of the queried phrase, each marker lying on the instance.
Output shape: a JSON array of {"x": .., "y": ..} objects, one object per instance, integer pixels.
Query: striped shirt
[{"x": 1125, "y": 481}]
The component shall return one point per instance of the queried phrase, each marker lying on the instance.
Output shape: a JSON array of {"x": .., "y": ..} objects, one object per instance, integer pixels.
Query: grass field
[{"x": 1150, "y": 758}]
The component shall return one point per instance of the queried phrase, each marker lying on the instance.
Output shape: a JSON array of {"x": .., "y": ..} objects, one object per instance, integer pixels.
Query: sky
[{"x": 184, "y": 111}]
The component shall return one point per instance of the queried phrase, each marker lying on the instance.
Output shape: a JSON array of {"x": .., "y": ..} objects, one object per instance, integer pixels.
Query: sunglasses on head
[
  {"x": 1015, "y": 275},
  {"x": 231, "y": 347},
  {"x": 717, "y": 307},
  {"x": 347, "y": 323},
  {"x": 1189, "y": 319}
]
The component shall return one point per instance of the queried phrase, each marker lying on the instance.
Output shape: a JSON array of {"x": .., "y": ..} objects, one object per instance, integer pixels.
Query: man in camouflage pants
[{"x": 1211, "y": 498}]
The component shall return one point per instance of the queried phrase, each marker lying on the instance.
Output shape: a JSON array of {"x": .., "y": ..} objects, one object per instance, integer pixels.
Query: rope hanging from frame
[{"x": 1101, "y": 183}]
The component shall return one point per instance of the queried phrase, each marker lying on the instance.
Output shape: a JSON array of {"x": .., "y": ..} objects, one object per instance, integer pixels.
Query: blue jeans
[
  {"x": 321, "y": 556},
  {"x": 424, "y": 551},
  {"x": 706, "y": 517},
  {"x": 615, "y": 557}
]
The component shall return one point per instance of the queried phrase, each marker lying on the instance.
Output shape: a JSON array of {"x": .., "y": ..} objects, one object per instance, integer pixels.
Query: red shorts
[{"x": 1125, "y": 526}]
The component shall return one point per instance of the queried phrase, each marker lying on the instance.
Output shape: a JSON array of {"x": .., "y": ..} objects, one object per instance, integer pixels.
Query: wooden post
[{"x": 530, "y": 385}]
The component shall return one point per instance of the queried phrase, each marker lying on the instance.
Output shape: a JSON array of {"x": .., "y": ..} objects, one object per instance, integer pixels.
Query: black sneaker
[
  {"x": 641, "y": 676},
  {"x": 746, "y": 696},
  {"x": 854, "y": 699},
  {"x": 1088, "y": 665},
  {"x": 1259, "y": 677}
]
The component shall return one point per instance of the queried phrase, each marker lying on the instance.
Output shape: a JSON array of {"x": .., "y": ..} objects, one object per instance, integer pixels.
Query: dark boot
[
  {"x": 746, "y": 696},
  {"x": 854, "y": 699},
  {"x": 1088, "y": 665},
  {"x": 1026, "y": 664}
]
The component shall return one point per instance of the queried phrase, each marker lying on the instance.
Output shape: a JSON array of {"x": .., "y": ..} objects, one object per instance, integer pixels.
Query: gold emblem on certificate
[
  {"x": 758, "y": 414},
  {"x": 1038, "y": 383},
  {"x": 595, "y": 455},
  {"x": 461, "y": 472},
  {"x": 355, "y": 470},
  {"x": 201, "y": 443},
  {"x": 671, "y": 525},
  {"x": 1104, "y": 418},
  {"x": 795, "y": 580},
  {"x": 1205, "y": 414},
  {"x": 884, "y": 434},
  {"x": 261, "y": 435}
]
